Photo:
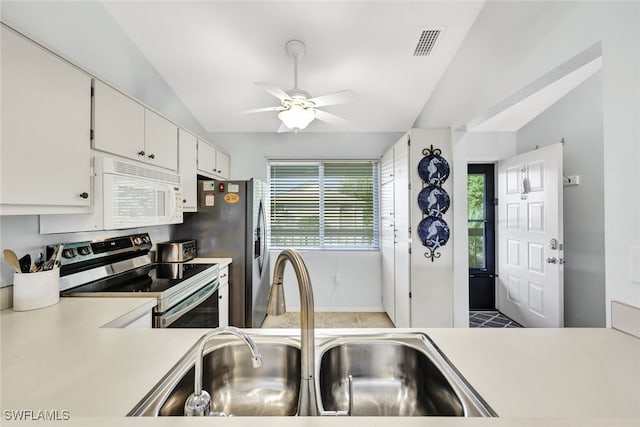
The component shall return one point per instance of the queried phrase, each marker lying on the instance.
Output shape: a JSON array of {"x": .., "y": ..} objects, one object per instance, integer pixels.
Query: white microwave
[
  {"x": 135, "y": 196},
  {"x": 126, "y": 195}
]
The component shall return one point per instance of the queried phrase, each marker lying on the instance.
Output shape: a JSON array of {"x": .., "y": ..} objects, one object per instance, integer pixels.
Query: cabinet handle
[
  {"x": 84, "y": 195},
  {"x": 220, "y": 297},
  {"x": 152, "y": 156},
  {"x": 184, "y": 200},
  {"x": 141, "y": 153}
]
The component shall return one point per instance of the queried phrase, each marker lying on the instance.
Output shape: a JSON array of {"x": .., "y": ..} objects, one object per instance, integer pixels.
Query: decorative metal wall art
[{"x": 433, "y": 201}]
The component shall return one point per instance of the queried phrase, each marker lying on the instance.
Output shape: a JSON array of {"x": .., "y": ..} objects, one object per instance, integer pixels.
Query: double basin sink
[{"x": 382, "y": 374}]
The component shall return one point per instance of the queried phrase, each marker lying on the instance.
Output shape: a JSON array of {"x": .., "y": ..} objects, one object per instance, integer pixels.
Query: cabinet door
[
  {"x": 118, "y": 123},
  {"x": 223, "y": 298},
  {"x": 386, "y": 167},
  {"x": 206, "y": 158},
  {"x": 402, "y": 214},
  {"x": 187, "y": 164},
  {"x": 161, "y": 141},
  {"x": 387, "y": 249},
  {"x": 46, "y": 117},
  {"x": 222, "y": 164}
]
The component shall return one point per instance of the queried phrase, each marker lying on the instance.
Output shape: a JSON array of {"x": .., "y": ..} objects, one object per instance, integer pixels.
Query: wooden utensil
[{"x": 12, "y": 260}]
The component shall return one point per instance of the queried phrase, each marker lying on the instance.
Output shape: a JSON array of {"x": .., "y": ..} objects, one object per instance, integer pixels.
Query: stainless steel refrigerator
[{"x": 231, "y": 223}]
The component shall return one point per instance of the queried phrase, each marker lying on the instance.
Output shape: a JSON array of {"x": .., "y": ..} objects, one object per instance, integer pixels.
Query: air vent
[
  {"x": 427, "y": 42},
  {"x": 142, "y": 172}
]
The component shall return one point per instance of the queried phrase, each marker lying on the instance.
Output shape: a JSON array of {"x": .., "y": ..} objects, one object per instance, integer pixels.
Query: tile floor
[
  {"x": 291, "y": 319},
  {"x": 490, "y": 319}
]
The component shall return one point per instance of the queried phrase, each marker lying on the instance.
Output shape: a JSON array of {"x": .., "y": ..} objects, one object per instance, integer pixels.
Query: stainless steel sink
[
  {"x": 393, "y": 375},
  {"x": 236, "y": 387}
]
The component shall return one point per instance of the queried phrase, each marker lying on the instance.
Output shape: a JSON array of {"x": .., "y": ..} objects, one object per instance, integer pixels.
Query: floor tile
[
  {"x": 490, "y": 319},
  {"x": 291, "y": 319}
]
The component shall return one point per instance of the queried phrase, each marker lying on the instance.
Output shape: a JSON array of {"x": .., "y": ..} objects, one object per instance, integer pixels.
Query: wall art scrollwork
[{"x": 433, "y": 201}]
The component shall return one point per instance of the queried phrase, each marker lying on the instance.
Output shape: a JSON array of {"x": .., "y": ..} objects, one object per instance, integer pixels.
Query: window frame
[
  {"x": 375, "y": 163},
  {"x": 489, "y": 229}
]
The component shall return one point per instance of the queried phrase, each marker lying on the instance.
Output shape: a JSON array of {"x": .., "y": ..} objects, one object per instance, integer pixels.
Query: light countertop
[{"x": 61, "y": 358}]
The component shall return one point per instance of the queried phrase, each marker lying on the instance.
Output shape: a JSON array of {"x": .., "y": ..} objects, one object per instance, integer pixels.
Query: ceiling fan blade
[
  {"x": 332, "y": 119},
  {"x": 342, "y": 97},
  {"x": 274, "y": 90},
  {"x": 262, "y": 110},
  {"x": 283, "y": 128}
]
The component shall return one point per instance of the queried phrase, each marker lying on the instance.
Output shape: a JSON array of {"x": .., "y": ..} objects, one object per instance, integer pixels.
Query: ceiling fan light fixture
[{"x": 297, "y": 117}]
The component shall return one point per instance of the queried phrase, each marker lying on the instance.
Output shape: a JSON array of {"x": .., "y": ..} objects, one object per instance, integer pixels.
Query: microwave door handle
[
  {"x": 186, "y": 306},
  {"x": 172, "y": 204}
]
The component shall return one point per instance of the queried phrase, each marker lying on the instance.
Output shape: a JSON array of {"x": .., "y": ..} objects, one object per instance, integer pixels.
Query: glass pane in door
[{"x": 477, "y": 216}]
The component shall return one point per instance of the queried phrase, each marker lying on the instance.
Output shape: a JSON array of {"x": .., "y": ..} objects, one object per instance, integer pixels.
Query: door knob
[{"x": 552, "y": 260}]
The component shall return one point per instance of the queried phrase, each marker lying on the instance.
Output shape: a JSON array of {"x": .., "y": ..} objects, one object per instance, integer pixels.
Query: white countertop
[{"x": 59, "y": 358}]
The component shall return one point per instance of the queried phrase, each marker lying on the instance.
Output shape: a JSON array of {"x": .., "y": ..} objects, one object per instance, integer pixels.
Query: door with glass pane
[{"x": 481, "y": 226}]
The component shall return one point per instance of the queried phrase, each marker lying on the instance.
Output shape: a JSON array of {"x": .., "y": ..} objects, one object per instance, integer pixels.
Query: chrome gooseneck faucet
[
  {"x": 276, "y": 306},
  {"x": 199, "y": 402}
]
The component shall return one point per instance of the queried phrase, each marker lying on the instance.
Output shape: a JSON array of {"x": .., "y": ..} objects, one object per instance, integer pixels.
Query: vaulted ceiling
[{"x": 211, "y": 53}]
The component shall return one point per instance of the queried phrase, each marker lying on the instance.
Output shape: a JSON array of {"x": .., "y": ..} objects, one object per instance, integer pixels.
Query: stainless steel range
[{"x": 187, "y": 294}]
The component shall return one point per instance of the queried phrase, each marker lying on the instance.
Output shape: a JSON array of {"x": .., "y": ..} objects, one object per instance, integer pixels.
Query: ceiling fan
[{"x": 298, "y": 108}]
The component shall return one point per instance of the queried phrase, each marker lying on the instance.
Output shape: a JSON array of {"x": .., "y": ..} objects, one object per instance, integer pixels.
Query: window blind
[{"x": 324, "y": 205}]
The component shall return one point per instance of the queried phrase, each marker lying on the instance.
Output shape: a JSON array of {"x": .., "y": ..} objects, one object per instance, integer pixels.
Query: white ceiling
[
  {"x": 211, "y": 53},
  {"x": 514, "y": 117}
]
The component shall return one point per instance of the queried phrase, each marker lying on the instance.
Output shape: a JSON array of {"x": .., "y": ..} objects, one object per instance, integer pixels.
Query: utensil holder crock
[{"x": 36, "y": 290}]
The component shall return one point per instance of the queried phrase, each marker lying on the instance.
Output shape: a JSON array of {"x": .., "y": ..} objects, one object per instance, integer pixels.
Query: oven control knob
[
  {"x": 84, "y": 250},
  {"x": 137, "y": 241},
  {"x": 69, "y": 253},
  {"x": 146, "y": 239}
]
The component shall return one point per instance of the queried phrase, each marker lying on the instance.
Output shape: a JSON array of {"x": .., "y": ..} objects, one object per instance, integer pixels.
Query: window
[
  {"x": 480, "y": 210},
  {"x": 324, "y": 205}
]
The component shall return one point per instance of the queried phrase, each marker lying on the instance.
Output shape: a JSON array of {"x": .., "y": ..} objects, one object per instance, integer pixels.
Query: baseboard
[{"x": 625, "y": 318}]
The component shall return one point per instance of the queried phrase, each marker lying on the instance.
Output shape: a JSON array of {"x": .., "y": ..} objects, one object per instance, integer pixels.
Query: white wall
[
  {"x": 470, "y": 147},
  {"x": 86, "y": 34},
  {"x": 512, "y": 44},
  {"x": 341, "y": 280},
  {"x": 578, "y": 119},
  {"x": 250, "y": 151},
  {"x": 21, "y": 234}
]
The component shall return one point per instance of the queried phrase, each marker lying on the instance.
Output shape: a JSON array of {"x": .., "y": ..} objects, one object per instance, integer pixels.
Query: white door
[
  {"x": 187, "y": 165},
  {"x": 161, "y": 141},
  {"x": 118, "y": 122},
  {"x": 387, "y": 235},
  {"x": 387, "y": 243},
  {"x": 44, "y": 131},
  {"x": 530, "y": 263},
  {"x": 402, "y": 214}
]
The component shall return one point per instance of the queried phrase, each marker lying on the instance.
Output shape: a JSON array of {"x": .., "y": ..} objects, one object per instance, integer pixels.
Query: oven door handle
[{"x": 194, "y": 300}]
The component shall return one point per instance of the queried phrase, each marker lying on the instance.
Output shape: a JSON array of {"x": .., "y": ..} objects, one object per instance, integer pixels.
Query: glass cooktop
[{"x": 151, "y": 278}]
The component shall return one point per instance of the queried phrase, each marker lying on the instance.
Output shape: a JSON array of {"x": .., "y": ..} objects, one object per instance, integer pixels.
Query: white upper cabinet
[
  {"x": 211, "y": 162},
  {"x": 386, "y": 166},
  {"x": 126, "y": 128},
  {"x": 118, "y": 123},
  {"x": 187, "y": 165},
  {"x": 161, "y": 141},
  {"x": 46, "y": 116},
  {"x": 206, "y": 158},
  {"x": 222, "y": 164}
]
